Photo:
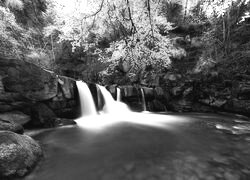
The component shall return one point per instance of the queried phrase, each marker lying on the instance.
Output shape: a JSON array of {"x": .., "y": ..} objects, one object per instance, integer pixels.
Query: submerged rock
[{"x": 18, "y": 154}]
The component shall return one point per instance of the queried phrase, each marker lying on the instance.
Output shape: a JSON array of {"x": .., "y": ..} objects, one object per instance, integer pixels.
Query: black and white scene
[{"x": 124, "y": 89}]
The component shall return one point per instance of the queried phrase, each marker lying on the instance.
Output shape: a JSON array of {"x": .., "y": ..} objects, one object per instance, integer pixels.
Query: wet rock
[
  {"x": 129, "y": 91},
  {"x": 156, "y": 106},
  {"x": 42, "y": 116},
  {"x": 16, "y": 117},
  {"x": 159, "y": 92},
  {"x": 8, "y": 125},
  {"x": 18, "y": 154},
  {"x": 4, "y": 107},
  {"x": 64, "y": 122},
  {"x": 148, "y": 92},
  {"x": 180, "y": 105},
  {"x": 30, "y": 81},
  {"x": 67, "y": 86}
]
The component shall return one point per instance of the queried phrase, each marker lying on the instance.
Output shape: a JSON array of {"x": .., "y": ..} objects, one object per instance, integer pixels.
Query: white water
[
  {"x": 112, "y": 106},
  {"x": 86, "y": 101},
  {"x": 118, "y": 95},
  {"x": 143, "y": 100},
  {"x": 115, "y": 112}
]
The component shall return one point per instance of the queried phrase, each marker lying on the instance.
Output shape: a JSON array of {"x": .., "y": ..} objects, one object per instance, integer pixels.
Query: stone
[
  {"x": 64, "y": 122},
  {"x": 5, "y": 107},
  {"x": 16, "y": 117},
  {"x": 67, "y": 86},
  {"x": 10, "y": 97},
  {"x": 129, "y": 91},
  {"x": 28, "y": 80},
  {"x": 8, "y": 125},
  {"x": 42, "y": 116},
  {"x": 18, "y": 154},
  {"x": 148, "y": 92},
  {"x": 157, "y": 106}
]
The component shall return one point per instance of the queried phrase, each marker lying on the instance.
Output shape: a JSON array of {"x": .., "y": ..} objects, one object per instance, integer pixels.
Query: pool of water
[{"x": 175, "y": 147}]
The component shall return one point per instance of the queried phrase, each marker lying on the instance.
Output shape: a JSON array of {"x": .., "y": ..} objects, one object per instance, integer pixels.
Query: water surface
[{"x": 178, "y": 147}]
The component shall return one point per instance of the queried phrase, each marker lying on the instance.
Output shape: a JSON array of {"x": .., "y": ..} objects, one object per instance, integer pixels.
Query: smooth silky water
[{"x": 117, "y": 144}]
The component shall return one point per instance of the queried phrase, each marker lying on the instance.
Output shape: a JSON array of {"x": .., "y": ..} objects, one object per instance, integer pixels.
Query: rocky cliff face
[{"x": 34, "y": 95}]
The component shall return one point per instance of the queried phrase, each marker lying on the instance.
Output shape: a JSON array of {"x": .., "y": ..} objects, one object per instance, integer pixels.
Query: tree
[{"x": 120, "y": 31}]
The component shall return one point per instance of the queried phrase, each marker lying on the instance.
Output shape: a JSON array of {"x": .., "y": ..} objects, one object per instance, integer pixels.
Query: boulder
[
  {"x": 148, "y": 92},
  {"x": 16, "y": 117},
  {"x": 156, "y": 106},
  {"x": 67, "y": 87},
  {"x": 9, "y": 125},
  {"x": 18, "y": 154},
  {"x": 5, "y": 107},
  {"x": 42, "y": 116},
  {"x": 129, "y": 91},
  {"x": 28, "y": 80},
  {"x": 181, "y": 105}
]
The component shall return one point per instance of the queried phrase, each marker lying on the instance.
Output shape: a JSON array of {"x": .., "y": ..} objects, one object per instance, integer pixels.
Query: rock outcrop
[
  {"x": 33, "y": 96},
  {"x": 18, "y": 154}
]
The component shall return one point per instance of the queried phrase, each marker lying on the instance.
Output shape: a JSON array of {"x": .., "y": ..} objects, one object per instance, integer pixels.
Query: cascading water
[
  {"x": 113, "y": 112},
  {"x": 118, "y": 95},
  {"x": 143, "y": 100},
  {"x": 112, "y": 106},
  {"x": 86, "y": 100}
]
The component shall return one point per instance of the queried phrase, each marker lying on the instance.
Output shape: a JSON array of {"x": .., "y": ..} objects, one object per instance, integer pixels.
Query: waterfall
[
  {"x": 113, "y": 112},
  {"x": 86, "y": 99},
  {"x": 112, "y": 106},
  {"x": 118, "y": 95},
  {"x": 143, "y": 100}
]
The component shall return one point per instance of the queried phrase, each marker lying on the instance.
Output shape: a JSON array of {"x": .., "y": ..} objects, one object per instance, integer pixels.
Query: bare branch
[
  {"x": 133, "y": 29},
  {"x": 149, "y": 14},
  {"x": 94, "y": 14}
]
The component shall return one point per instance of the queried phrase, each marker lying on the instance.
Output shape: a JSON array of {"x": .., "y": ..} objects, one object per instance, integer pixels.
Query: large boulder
[
  {"x": 9, "y": 125},
  {"x": 30, "y": 81},
  {"x": 67, "y": 87},
  {"x": 42, "y": 116},
  {"x": 18, "y": 154}
]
